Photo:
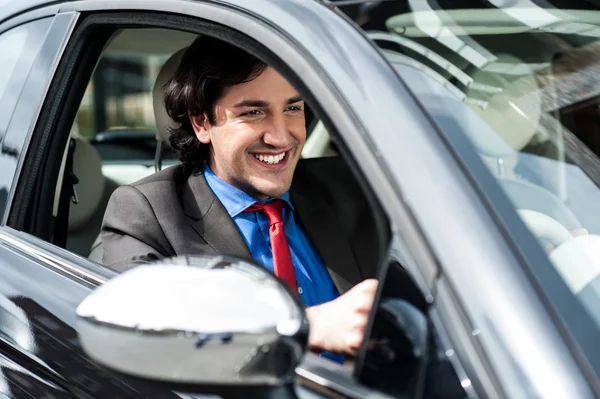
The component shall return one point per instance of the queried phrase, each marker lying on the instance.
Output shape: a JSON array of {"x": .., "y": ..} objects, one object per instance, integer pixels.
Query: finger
[
  {"x": 364, "y": 306},
  {"x": 354, "y": 342},
  {"x": 367, "y": 286},
  {"x": 370, "y": 283}
]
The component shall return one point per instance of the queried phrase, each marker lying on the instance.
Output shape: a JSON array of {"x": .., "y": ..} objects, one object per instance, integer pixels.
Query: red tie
[{"x": 282, "y": 257}]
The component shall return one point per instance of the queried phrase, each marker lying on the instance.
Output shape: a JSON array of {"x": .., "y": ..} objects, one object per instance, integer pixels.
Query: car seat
[
  {"x": 93, "y": 191},
  {"x": 163, "y": 121}
]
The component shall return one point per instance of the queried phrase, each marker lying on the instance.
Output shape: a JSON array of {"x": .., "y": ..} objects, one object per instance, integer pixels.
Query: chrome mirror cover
[{"x": 196, "y": 320}]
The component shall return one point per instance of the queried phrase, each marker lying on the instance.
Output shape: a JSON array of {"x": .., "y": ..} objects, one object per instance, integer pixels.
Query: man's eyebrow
[
  {"x": 262, "y": 103},
  {"x": 252, "y": 103},
  {"x": 294, "y": 100}
]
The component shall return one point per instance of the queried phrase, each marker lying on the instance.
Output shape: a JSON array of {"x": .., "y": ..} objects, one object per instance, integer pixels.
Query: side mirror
[{"x": 196, "y": 320}]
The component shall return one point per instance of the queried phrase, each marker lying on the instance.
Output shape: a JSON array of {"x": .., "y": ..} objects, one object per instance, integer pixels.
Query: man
[{"x": 241, "y": 130}]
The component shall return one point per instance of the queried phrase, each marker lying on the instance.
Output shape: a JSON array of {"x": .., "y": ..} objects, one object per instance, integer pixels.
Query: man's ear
[{"x": 201, "y": 127}]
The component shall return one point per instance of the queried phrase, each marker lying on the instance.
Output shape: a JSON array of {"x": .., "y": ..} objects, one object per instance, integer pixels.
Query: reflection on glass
[
  {"x": 19, "y": 47},
  {"x": 12, "y": 44},
  {"x": 520, "y": 80}
]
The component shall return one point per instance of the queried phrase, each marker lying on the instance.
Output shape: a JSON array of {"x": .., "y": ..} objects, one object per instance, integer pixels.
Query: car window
[
  {"x": 116, "y": 114},
  {"x": 20, "y": 46},
  {"x": 521, "y": 84}
]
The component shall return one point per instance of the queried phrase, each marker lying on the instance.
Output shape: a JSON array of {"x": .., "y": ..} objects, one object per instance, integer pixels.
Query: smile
[{"x": 270, "y": 159}]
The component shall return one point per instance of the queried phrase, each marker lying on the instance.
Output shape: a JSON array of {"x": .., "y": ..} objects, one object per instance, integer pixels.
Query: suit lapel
[
  {"x": 322, "y": 228},
  {"x": 210, "y": 219}
]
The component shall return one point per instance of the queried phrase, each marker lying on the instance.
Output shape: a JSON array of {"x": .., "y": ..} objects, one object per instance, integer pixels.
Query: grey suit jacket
[{"x": 169, "y": 213}]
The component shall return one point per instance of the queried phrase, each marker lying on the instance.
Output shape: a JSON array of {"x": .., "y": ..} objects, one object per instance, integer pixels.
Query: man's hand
[{"x": 339, "y": 326}]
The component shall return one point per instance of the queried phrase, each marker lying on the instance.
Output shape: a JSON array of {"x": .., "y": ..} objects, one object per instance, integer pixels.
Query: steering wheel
[{"x": 544, "y": 227}]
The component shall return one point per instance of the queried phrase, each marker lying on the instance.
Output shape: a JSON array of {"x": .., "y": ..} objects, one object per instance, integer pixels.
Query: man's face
[{"x": 258, "y": 135}]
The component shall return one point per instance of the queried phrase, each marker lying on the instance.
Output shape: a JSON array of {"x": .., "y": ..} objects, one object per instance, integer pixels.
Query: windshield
[{"x": 520, "y": 80}]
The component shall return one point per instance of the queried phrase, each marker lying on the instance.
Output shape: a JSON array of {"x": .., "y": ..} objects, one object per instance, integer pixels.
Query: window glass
[
  {"x": 521, "y": 82},
  {"x": 19, "y": 47}
]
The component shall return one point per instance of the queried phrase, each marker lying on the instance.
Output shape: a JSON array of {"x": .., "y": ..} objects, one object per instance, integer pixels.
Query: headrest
[
  {"x": 163, "y": 121},
  {"x": 87, "y": 166}
]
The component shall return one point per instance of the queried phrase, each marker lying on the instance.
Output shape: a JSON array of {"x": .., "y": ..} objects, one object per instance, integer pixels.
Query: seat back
[{"x": 93, "y": 191}]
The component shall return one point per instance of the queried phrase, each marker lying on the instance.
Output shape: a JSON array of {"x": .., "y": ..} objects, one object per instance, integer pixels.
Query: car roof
[{"x": 9, "y": 8}]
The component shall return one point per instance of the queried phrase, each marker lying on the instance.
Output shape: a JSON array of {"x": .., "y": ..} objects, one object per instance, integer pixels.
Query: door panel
[
  {"x": 37, "y": 309},
  {"x": 17, "y": 381}
]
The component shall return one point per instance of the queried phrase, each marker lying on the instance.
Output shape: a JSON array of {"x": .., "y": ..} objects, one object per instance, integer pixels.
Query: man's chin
[{"x": 264, "y": 190}]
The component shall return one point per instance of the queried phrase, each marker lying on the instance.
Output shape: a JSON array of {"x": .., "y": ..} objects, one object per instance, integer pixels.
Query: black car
[{"x": 472, "y": 124}]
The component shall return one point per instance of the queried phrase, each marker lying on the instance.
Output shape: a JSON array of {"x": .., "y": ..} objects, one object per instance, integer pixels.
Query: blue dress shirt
[{"x": 314, "y": 283}]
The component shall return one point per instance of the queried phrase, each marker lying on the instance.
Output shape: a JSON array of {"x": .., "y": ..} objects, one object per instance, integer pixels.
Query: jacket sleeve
[{"x": 131, "y": 234}]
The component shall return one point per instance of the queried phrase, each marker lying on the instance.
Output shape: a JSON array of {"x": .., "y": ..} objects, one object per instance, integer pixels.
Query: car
[{"x": 471, "y": 127}]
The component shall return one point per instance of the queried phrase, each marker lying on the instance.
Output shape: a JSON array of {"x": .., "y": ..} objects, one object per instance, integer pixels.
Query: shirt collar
[{"x": 233, "y": 199}]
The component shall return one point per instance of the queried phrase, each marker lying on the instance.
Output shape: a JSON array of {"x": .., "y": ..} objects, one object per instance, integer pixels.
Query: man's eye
[
  {"x": 254, "y": 112},
  {"x": 294, "y": 108}
]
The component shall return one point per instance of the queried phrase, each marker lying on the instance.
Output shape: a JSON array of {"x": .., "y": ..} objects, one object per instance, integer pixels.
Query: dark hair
[{"x": 207, "y": 67}]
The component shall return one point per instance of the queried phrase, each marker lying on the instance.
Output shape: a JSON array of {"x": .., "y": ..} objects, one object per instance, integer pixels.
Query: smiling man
[{"x": 242, "y": 190}]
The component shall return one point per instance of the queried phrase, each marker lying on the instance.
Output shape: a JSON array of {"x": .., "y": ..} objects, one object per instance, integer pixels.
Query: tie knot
[{"x": 272, "y": 209}]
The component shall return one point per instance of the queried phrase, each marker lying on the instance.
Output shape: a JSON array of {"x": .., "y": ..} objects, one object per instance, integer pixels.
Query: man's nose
[{"x": 277, "y": 134}]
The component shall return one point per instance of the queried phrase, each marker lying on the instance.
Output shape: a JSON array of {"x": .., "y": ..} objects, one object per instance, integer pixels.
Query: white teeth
[{"x": 270, "y": 159}]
